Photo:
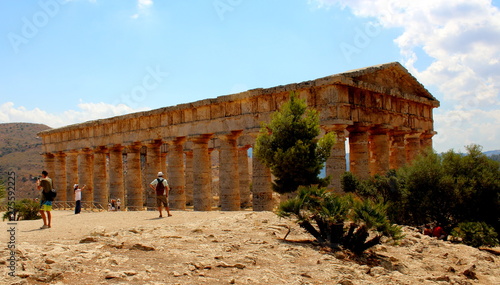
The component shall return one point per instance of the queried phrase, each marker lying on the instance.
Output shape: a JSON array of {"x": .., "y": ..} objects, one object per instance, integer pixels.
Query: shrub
[
  {"x": 25, "y": 209},
  {"x": 339, "y": 221},
  {"x": 388, "y": 189},
  {"x": 447, "y": 189},
  {"x": 349, "y": 182},
  {"x": 476, "y": 234}
]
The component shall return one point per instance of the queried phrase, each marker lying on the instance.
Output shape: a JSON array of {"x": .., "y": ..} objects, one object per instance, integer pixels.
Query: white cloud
[
  {"x": 466, "y": 127},
  {"x": 86, "y": 112},
  {"x": 463, "y": 39},
  {"x": 143, "y": 6}
]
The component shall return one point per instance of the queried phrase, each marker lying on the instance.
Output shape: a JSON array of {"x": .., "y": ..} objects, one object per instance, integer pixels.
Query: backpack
[
  {"x": 160, "y": 188},
  {"x": 51, "y": 195}
]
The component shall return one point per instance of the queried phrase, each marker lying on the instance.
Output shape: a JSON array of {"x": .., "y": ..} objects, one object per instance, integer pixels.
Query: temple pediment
[{"x": 389, "y": 78}]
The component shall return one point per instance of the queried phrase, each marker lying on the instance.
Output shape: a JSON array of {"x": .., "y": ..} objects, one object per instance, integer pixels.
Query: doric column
[
  {"x": 100, "y": 177},
  {"x": 202, "y": 192},
  {"x": 59, "y": 182},
  {"x": 153, "y": 166},
  {"x": 85, "y": 174},
  {"x": 71, "y": 173},
  {"x": 379, "y": 150},
  {"x": 49, "y": 160},
  {"x": 133, "y": 178},
  {"x": 229, "y": 182},
  {"x": 116, "y": 186},
  {"x": 397, "y": 156},
  {"x": 244, "y": 175},
  {"x": 262, "y": 192},
  {"x": 176, "y": 179},
  {"x": 163, "y": 162},
  {"x": 359, "y": 153},
  {"x": 412, "y": 146},
  {"x": 189, "y": 177},
  {"x": 336, "y": 163},
  {"x": 397, "y": 152},
  {"x": 426, "y": 140}
]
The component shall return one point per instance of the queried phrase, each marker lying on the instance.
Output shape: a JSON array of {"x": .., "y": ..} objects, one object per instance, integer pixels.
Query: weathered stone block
[{"x": 203, "y": 113}]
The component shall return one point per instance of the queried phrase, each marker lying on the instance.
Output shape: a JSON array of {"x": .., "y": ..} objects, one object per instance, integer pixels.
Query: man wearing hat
[{"x": 160, "y": 186}]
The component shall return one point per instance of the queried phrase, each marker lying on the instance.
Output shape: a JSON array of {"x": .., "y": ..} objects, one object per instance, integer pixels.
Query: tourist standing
[
  {"x": 78, "y": 198},
  {"x": 160, "y": 186},
  {"x": 45, "y": 184}
]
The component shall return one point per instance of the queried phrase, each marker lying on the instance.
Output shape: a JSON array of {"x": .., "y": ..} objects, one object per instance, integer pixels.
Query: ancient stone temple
[{"x": 382, "y": 111}]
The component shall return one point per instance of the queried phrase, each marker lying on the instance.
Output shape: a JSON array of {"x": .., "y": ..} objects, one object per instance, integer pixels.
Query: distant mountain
[
  {"x": 20, "y": 152},
  {"x": 492, "y": 152}
]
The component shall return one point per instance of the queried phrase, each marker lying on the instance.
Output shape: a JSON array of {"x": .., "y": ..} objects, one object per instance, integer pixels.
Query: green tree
[{"x": 288, "y": 145}]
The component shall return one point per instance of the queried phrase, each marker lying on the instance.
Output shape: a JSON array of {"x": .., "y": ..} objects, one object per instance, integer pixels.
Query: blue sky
[{"x": 65, "y": 62}]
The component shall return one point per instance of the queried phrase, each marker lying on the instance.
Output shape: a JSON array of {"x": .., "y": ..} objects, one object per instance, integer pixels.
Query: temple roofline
[{"x": 347, "y": 78}]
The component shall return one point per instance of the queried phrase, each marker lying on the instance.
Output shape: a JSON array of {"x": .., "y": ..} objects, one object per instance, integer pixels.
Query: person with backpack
[
  {"x": 160, "y": 187},
  {"x": 45, "y": 184}
]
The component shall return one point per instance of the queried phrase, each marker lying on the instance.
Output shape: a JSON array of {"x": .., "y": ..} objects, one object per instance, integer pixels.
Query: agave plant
[{"x": 339, "y": 221}]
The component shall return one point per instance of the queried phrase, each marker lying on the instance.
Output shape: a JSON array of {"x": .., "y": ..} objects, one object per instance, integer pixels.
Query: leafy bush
[
  {"x": 349, "y": 183},
  {"x": 25, "y": 209},
  {"x": 339, "y": 221},
  {"x": 476, "y": 234},
  {"x": 387, "y": 189},
  {"x": 447, "y": 189}
]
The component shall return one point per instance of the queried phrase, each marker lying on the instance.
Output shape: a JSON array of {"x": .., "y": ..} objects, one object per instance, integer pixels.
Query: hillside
[{"x": 20, "y": 152}]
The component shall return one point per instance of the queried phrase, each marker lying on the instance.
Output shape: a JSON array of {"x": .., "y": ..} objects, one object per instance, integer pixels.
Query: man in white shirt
[
  {"x": 160, "y": 187},
  {"x": 78, "y": 198}
]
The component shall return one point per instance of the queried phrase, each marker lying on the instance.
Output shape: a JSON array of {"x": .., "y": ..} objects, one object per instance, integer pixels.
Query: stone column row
[
  {"x": 106, "y": 174},
  {"x": 89, "y": 167},
  {"x": 373, "y": 149}
]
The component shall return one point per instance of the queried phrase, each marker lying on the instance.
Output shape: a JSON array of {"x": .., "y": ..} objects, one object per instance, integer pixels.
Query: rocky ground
[{"x": 222, "y": 248}]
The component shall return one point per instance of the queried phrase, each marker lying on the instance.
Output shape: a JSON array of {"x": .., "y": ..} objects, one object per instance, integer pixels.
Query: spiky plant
[{"x": 339, "y": 221}]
